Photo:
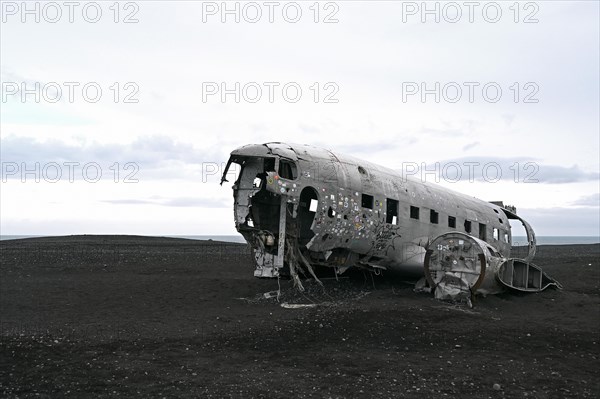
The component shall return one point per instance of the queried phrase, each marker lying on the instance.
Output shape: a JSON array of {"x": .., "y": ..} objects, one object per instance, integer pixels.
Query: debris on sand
[{"x": 298, "y": 305}]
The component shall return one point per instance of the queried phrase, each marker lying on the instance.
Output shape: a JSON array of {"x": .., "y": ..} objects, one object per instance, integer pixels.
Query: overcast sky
[{"x": 135, "y": 93}]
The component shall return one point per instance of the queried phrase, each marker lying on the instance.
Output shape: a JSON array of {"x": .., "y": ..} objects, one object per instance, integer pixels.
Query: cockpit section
[
  {"x": 269, "y": 208},
  {"x": 249, "y": 190}
]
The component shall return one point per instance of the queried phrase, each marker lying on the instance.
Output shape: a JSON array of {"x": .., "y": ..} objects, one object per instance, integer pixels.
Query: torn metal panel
[
  {"x": 521, "y": 275},
  {"x": 511, "y": 213},
  {"x": 281, "y": 238},
  {"x": 302, "y": 207},
  {"x": 458, "y": 265}
]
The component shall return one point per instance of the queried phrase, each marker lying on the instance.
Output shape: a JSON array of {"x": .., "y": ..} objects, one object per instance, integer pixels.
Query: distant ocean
[
  {"x": 557, "y": 240},
  {"x": 227, "y": 238},
  {"x": 517, "y": 240},
  {"x": 234, "y": 238}
]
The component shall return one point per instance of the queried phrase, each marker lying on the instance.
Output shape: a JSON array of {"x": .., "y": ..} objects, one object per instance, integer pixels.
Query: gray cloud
[
  {"x": 580, "y": 221},
  {"x": 518, "y": 169},
  {"x": 588, "y": 200},
  {"x": 470, "y": 145},
  {"x": 161, "y": 157},
  {"x": 195, "y": 202},
  {"x": 150, "y": 149},
  {"x": 156, "y": 157},
  {"x": 560, "y": 174}
]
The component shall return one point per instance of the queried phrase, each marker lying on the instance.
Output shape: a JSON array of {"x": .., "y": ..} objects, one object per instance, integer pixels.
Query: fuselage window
[
  {"x": 482, "y": 231},
  {"x": 434, "y": 217},
  {"x": 391, "y": 215},
  {"x": 468, "y": 226},
  {"x": 414, "y": 212},
  {"x": 367, "y": 201},
  {"x": 287, "y": 170},
  {"x": 496, "y": 234},
  {"x": 452, "y": 222}
]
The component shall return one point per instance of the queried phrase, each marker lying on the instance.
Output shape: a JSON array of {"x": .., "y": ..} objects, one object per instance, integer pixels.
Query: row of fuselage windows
[{"x": 434, "y": 218}]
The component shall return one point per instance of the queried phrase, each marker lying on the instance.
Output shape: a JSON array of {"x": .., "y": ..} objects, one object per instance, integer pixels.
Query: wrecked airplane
[{"x": 302, "y": 207}]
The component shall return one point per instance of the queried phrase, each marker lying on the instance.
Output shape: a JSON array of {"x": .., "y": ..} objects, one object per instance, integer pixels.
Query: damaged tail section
[{"x": 459, "y": 266}]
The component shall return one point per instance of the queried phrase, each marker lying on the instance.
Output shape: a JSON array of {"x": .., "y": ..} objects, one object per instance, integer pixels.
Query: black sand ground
[{"x": 106, "y": 316}]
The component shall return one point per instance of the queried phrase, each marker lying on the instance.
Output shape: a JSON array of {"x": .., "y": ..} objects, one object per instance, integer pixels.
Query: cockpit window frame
[{"x": 293, "y": 169}]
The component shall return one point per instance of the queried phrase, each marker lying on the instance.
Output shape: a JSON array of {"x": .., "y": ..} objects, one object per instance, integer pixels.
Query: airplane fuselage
[{"x": 341, "y": 211}]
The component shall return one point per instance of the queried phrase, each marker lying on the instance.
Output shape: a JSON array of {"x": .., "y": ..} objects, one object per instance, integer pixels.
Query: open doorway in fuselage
[{"x": 307, "y": 209}]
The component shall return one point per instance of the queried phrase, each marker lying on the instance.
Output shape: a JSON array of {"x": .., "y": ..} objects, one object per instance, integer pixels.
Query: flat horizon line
[{"x": 200, "y": 235}]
